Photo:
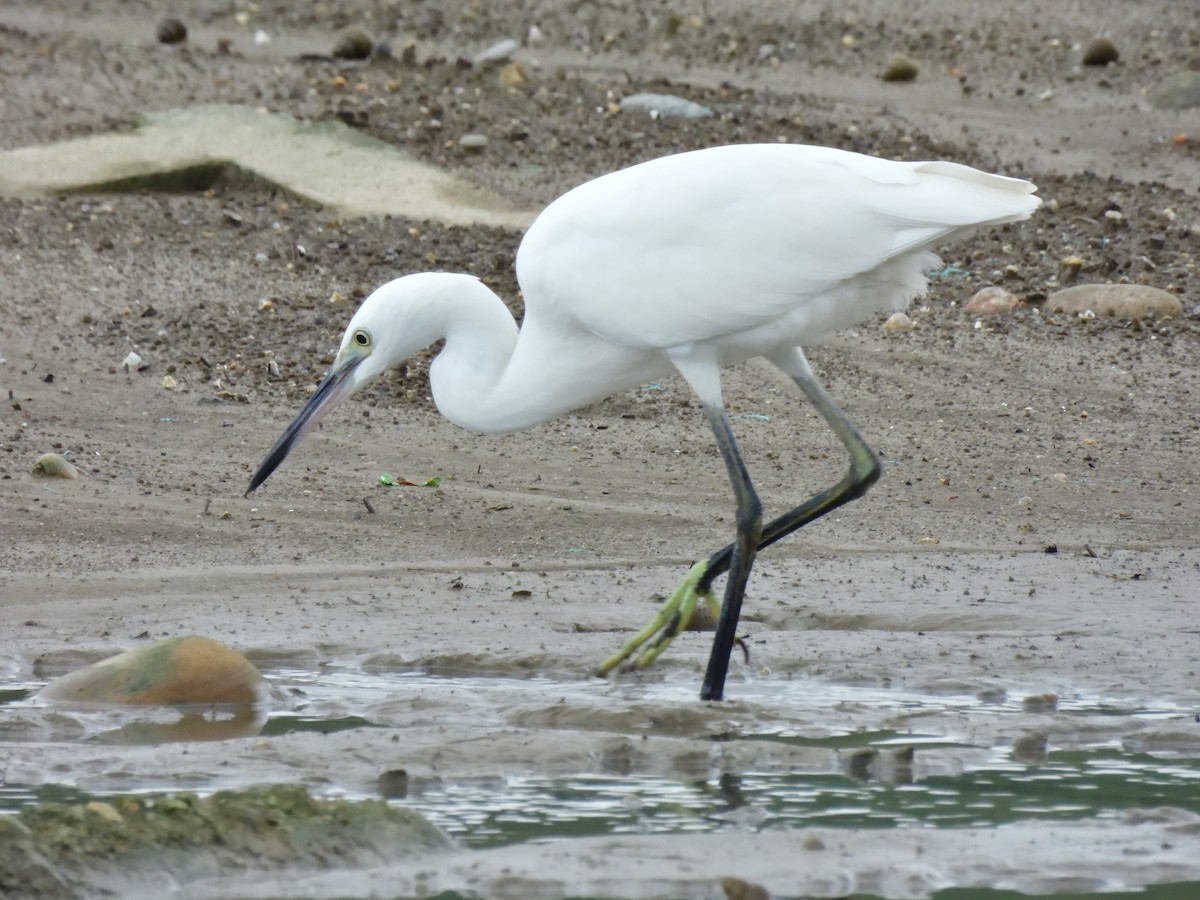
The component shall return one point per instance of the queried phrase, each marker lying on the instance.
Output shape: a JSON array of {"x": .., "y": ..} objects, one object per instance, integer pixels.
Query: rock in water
[
  {"x": 160, "y": 846},
  {"x": 178, "y": 671}
]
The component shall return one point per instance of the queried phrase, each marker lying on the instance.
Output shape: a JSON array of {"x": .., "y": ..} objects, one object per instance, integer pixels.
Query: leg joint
[{"x": 749, "y": 516}]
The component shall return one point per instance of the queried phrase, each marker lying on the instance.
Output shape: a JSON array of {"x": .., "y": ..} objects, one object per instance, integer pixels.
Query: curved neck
[
  {"x": 490, "y": 378},
  {"x": 481, "y": 336}
]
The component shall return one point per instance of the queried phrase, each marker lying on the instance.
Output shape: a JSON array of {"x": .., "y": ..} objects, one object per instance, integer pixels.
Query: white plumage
[{"x": 685, "y": 263}]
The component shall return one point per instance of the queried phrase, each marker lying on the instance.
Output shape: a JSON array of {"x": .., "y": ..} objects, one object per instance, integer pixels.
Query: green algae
[{"x": 67, "y": 850}]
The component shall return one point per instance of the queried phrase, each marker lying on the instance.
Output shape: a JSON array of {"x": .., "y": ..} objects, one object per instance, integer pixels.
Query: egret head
[{"x": 392, "y": 324}]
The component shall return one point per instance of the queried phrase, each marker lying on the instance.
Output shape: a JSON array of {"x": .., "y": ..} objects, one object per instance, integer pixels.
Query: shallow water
[{"x": 865, "y": 780}]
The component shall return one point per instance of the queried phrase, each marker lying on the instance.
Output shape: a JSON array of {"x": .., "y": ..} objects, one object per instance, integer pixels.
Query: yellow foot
[{"x": 672, "y": 617}]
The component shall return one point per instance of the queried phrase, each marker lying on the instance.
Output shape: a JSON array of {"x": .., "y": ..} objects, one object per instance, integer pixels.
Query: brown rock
[
  {"x": 1040, "y": 703},
  {"x": 900, "y": 68},
  {"x": 177, "y": 671},
  {"x": 1100, "y": 51},
  {"x": 1031, "y": 747},
  {"x": 1124, "y": 301},
  {"x": 991, "y": 301},
  {"x": 353, "y": 43},
  {"x": 737, "y": 889},
  {"x": 171, "y": 31}
]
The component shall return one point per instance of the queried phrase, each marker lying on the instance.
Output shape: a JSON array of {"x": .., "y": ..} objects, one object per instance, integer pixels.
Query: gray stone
[
  {"x": 473, "y": 143},
  {"x": 1124, "y": 301},
  {"x": 1178, "y": 91},
  {"x": 666, "y": 105}
]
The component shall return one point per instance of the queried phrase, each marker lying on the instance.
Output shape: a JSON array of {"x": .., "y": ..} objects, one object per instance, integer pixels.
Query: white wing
[{"x": 719, "y": 241}]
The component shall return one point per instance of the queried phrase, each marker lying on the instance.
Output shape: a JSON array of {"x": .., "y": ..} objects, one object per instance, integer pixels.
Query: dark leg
[
  {"x": 673, "y": 617},
  {"x": 864, "y": 470},
  {"x": 741, "y": 555}
]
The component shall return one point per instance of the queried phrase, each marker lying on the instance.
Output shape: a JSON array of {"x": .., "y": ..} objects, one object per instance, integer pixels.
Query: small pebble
[
  {"x": 898, "y": 322},
  {"x": 1100, "y": 51},
  {"x": 171, "y": 31},
  {"x": 131, "y": 362},
  {"x": 899, "y": 68},
  {"x": 53, "y": 465},
  {"x": 514, "y": 75},
  {"x": 393, "y": 784},
  {"x": 497, "y": 52},
  {"x": 1069, "y": 268},
  {"x": 665, "y": 106},
  {"x": 353, "y": 43},
  {"x": 737, "y": 889},
  {"x": 1040, "y": 703},
  {"x": 473, "y": 143},
  {"x": 1031, "y": 747},
  {"x": 169, "y": 383}
]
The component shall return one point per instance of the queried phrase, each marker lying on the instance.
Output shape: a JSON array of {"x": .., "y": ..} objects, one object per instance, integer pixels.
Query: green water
[
  {"x": 497, "y": 811},
  {"x": 992, "y": 789},
  {"x": 1071, "y": 785}
]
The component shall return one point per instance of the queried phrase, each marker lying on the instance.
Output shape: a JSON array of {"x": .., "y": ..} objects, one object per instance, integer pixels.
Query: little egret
[{"x": 682, "y": 264}]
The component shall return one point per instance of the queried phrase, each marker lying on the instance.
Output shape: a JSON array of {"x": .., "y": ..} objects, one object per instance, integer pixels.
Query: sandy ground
[{"x": 1035, "y": 527}]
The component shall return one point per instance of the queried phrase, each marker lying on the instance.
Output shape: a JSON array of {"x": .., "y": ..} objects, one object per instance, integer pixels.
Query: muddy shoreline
[{"x": 1033, "y": 533}]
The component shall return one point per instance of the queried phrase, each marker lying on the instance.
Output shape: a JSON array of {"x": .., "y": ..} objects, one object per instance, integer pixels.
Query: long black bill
[{"x": 333, "y": 387}]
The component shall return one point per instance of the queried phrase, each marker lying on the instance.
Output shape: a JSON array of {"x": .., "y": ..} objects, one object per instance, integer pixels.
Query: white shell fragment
[{"x": 666, "y": 105}]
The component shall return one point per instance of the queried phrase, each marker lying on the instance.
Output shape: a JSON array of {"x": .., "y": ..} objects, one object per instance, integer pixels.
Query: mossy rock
[
  {"x": 59, "y": 850},
  {"x": 189, "y": 670}
]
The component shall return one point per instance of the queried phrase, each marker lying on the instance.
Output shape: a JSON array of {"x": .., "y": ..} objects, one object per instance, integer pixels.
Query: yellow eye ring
[{"x": 361, "y": 338}]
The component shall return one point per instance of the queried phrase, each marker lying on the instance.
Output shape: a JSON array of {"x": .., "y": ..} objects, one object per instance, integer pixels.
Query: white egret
[{"x": 682, "y": 264}]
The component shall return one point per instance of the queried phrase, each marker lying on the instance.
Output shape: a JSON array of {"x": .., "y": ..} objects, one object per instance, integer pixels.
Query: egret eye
[{"x": 362, "y": 338}]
